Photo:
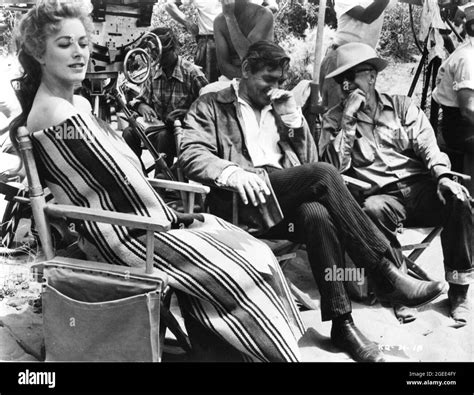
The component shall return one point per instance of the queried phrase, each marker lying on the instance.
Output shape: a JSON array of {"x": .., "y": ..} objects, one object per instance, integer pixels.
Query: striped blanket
[{"x": 232, "y": 282}]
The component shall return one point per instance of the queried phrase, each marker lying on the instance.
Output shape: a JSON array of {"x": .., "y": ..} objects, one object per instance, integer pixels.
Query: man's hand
[
  {"x": 354, "y": 102},
  {"x": 249, "y": 185},
  {"x": 149, "y": 115},
  {"x": 228, "y": 7},
  {"x": 283, "y": 101},
  {"x": 192, "y": 28},
  {"x": 447, "y": 185}
]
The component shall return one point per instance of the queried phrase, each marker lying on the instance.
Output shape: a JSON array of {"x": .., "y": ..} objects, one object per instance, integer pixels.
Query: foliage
[
  {"x": 7, "y": 21},
  {"x": 295, "y": 19},
  {"x": 396, "y": 40},
  {"x": 301, "y": 51}
]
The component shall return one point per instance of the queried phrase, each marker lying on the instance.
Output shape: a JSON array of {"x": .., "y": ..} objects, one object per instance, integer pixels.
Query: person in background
[
  {"x": 455, "y": 93},
  {"x": 240, "y": 24},
  {"x": 387, "y": 141},
  {"x": 202, "y": 31},
  {"x": 357, "y": 21},
  {"x": 168, "y": 93}
]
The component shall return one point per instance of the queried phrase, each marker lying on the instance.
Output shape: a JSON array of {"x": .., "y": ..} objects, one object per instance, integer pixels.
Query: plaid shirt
[{"x": 177, "y": 92}]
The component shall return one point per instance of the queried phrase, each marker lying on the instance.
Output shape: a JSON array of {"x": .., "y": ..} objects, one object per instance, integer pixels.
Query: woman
[{"x": 228, "y": 281}]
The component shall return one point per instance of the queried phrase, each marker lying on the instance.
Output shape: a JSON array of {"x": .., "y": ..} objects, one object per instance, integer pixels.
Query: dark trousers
[
  {"x": 414, "y": 202},
  {"x": 206, "y": 56},
  {"x": 321, "y": 213}
]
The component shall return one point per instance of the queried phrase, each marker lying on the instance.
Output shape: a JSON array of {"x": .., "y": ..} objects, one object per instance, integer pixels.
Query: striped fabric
[{"x": 234, "y": 284}]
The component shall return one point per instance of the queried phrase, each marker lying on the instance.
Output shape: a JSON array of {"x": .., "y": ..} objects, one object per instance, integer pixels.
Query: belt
[{"x": 408, "y": 181}]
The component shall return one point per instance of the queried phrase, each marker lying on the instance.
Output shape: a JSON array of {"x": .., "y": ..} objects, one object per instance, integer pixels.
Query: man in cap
[
  {"x": 253, "y": 126},
  {"x": 168, "y": 93},
  {"x": 455, "y": 93},
  {"x": 387, "y": 141}
]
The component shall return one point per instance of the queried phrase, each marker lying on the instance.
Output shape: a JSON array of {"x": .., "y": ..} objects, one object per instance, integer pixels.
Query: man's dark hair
[{"x": 263, "y": 54}]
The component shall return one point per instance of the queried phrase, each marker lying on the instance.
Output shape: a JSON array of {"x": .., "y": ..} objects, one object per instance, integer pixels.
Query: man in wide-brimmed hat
[{"x": 387, "y": 140}]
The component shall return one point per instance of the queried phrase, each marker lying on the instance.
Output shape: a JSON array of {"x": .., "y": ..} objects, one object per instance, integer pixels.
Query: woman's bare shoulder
[{"x": 48, "y": 112}]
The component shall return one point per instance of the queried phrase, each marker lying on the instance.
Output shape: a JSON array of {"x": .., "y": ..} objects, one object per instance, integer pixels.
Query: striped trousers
[{"x": 321, "y": 213}]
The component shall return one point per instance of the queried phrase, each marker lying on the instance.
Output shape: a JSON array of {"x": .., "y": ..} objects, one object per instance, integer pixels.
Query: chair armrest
[
  {"x": 355, "y": 182},
  {"x": 462, "y": 176},
  {"x": 179, "y": 186},
  {"x": 102, "y": 267},
  {"x": 110, "y": 217}
]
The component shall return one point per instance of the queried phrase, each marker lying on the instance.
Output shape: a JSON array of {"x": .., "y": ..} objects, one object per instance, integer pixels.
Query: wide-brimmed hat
[{"x": 352, "y": 54}]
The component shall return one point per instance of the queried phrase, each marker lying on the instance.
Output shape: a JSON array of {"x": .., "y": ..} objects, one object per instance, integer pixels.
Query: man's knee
[
  {"x": 314, "y": 216},
  {"x": 322, "y": 171}
]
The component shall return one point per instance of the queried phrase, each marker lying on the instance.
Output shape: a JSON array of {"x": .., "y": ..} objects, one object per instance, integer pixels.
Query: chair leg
[{"x": 172, "y": 324}]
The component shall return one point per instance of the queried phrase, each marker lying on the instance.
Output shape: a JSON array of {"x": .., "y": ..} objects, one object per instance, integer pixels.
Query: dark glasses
[{"x": 350, "y": 75}]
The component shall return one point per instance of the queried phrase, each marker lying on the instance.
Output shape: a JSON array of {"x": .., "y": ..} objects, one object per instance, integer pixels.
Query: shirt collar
[
  {"x": 177, "y": 72},
  {"x": 384, "y": 99}
]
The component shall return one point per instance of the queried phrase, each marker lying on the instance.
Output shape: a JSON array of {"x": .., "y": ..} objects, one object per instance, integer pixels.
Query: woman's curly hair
[{"x": 39, "y": 23}]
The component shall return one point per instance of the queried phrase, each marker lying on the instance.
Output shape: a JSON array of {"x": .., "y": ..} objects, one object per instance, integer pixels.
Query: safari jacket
[{"x": 213, "y": 139}]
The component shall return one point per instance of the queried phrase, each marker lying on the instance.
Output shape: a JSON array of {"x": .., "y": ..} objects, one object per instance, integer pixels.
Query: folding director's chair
[{"x": 54, "y": 265}]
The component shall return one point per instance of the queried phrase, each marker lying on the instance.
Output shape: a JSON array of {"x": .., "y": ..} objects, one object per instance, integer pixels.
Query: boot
[
  {"x": 459, "y": 306},
  {"x": 381, "y": 287},
  {"x": 346, "y": 336},
  {"x": 406, "y": 290}
]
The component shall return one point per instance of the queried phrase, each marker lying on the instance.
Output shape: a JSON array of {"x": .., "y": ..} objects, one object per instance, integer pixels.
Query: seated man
[
  {"x": 240, "y": 24},
  {"x": 387, "y": 140},
  {"x": 171, "y": 87},
  {"x": 231, "y": 134}
]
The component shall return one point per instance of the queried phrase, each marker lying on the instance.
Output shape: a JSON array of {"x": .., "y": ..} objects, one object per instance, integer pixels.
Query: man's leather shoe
[
  {"x": 459, "y": 305},
  {"x": 349, "y": 338},
  {"x": 406, "y": 290}
]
